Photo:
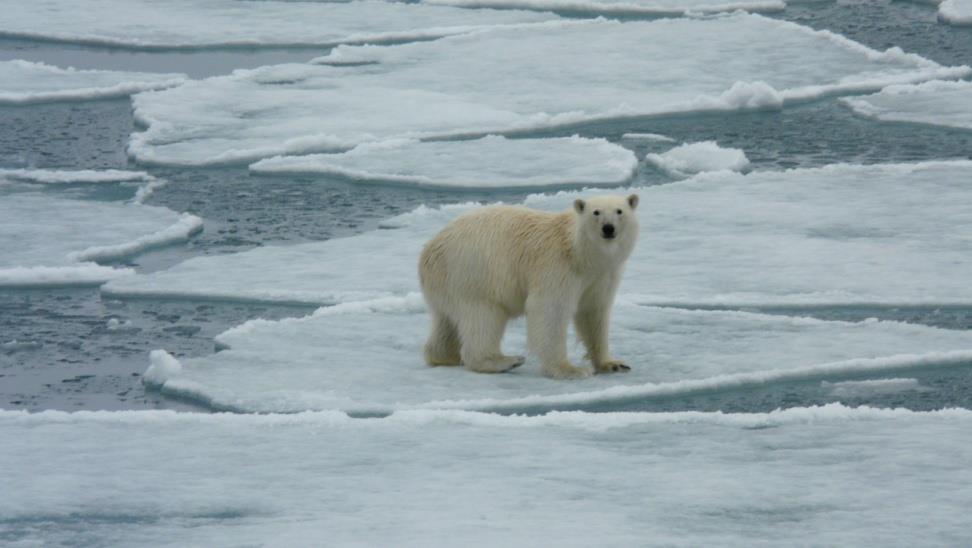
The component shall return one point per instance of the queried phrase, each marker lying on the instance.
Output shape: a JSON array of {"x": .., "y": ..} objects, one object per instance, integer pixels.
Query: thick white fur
[{"x": 499, "y": 262}]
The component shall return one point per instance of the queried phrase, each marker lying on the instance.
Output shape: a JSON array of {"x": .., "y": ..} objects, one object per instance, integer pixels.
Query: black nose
[{"x": 608, "y": 231}]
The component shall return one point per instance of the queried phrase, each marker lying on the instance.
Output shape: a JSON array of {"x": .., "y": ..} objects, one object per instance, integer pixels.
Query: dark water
[{"x": 69, "y": 349}]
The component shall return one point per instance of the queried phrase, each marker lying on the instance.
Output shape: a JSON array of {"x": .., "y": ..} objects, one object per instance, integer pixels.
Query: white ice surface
[
  {"x": 366, "y": 357},
  {"x": 692, "y": 158},
  {"x": 841, "y": 235},
  {"x": 490, "y": 162},
  {"x": 651, "y": 137},
  {"x": 27, "y": 82},
  {"x": 938, "y": 103},
  {"x": 831, "y": 475},
  {"x": 956, "y": 12},
  {"x": 52, "y": 241},
  {"x": 514, "y": 78},
  {"x": 607, "y": 7},
  {"x": 207, "y": 23}
]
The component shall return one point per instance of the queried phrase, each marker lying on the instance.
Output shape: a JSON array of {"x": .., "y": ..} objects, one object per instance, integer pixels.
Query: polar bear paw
[
  {"x": 611, "y": 366},
  {"x": 498, "y": 364}
]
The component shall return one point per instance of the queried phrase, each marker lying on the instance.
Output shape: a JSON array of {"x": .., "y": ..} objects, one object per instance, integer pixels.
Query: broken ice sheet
[{"x": 27, "y": 82}]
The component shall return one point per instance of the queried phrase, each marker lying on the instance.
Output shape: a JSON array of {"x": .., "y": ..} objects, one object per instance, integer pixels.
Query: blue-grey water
[{"x": 58, "y": 350}]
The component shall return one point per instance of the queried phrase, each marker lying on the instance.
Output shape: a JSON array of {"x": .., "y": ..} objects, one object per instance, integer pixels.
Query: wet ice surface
[
  {"x": 607, "y": 7},
  {"x": 839, "y": 476}
]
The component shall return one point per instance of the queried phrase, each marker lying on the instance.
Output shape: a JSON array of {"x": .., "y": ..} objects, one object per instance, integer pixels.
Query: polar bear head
[{"x": 608, "y": 219}]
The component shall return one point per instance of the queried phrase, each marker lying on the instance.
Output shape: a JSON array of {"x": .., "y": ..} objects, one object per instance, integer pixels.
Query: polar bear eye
[{"x": 596, "y": 213}]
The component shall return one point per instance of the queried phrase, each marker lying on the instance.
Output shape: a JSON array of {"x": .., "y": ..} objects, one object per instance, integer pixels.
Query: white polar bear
[{"x": 495, "y": 263}]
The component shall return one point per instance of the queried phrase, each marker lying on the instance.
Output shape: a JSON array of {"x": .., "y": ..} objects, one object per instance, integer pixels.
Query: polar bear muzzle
[{"x": 608, "y": 231}]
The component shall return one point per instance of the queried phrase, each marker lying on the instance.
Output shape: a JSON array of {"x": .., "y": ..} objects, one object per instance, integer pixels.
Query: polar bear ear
[
  {"x": 579, "y": 205},
  {"x": 633, "y": 201}
]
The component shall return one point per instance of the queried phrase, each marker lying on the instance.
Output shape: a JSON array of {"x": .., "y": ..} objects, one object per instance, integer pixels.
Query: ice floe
[
  {"x": 488, "y": 82},
  {"x": 837, "y": 475},
  {"x": 27, "y": 82},
  {"x": 212, "y": 23},
  {"x": 81, "y": 176},
  {"x": 942, "y": 103},
  {"x": 839, "y": 235},
  {"x": 692, "y": 158},
  {"x": 366, "y": 357},
  {"x": 53, "y": 241},
  {"x": 651, "y": 7},
  {"x": 490, "y": 162}
]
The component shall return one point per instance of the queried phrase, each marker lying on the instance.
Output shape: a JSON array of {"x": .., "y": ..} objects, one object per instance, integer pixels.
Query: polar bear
[{"x": 499, "y": 262}]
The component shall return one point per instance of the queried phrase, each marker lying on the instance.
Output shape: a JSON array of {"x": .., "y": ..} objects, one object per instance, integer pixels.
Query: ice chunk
[
  {"x": 26, "y": 82},
  {"x": 523, "y": 77},
  {"x": 192, "y": 24},
  {"x": 839, "y": 476},
  {"x": 882, "y": 234},
  {"x": 692, "y": 158},
  {"x": 366, "y": 357},
  {"x": 653, "y": 7},
  {"x": 871, "y": 387},
  {"x": 491, "y": 162},
  {"x": 52, "y": 241},
  {"x": 83, "y": 176},
  {"x": 956, "y": 12},
  {"x": 653, "y": 137},
  {"x": 937, "y": 102}
]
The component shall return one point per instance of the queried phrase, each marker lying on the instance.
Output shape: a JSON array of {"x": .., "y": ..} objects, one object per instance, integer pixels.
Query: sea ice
[
  {"x": 956, "y": 12},
  {"x": 490, "y": 162},
  {"x": 522, "y": 77},
  {"x": 692, "y": 158},
  {"x": 366, "y": 358},
  {"x": 26, "y": 82},
  {"x": 212, "y": 23},
  {"x": 53, "y": 241},
  {"x": 82, "y": 176},
  {"x": 648, "y": 7},
  {"x": 937, "y": 102},
  {"x": 871, "y": 387},
  {"x": 836, "y": 475},
  {"x": 840, "y": 235}
]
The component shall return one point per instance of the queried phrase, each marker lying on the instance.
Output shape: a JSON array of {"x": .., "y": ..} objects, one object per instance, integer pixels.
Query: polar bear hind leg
[{"x": 442, "y": 347}]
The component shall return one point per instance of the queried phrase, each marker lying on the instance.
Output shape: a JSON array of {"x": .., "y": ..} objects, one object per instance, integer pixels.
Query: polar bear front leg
[
  {"x": 547, "y": 319},
  {"x": 591, "y": 322}
]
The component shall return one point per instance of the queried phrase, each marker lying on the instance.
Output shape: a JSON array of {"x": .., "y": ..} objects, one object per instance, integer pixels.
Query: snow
[
  {"x": 606, "y": 7},
  {"x": 937, "y": 102},
  {"x": 893, "y": 235},
  {"x": 956, "y": 12},
  {"x": 692, "y": 158},
  {"x": 574, "y": 71},
  {"x": 26, "y": 82},
  {"x": 837, "y": 475},
  {"x": 146, "y": 24},
  {"x": 490, "y": 162},
  {"x": 46, "y": 240},
  {"x": 366, "y": 358}
]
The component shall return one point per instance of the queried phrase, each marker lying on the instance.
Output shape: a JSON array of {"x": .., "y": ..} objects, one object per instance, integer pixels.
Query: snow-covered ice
[
  {"x": 572, "y": 72},
  {"x": 648, "y": 137},
  {"x": 490, "y": 162},
  {"x": 27, "y": 82},
  {"x": 836, "y": 475},
  {"x": 692, "y": 158},
  {"x": 53, "y": 241},
  {"x": 942, "y": 103},
  {"x": 646, "y": 7},
  {"x": 210, "y": 23},
  {"x": 840, "y": 235},
  {"x": 366, "y": 357}
]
